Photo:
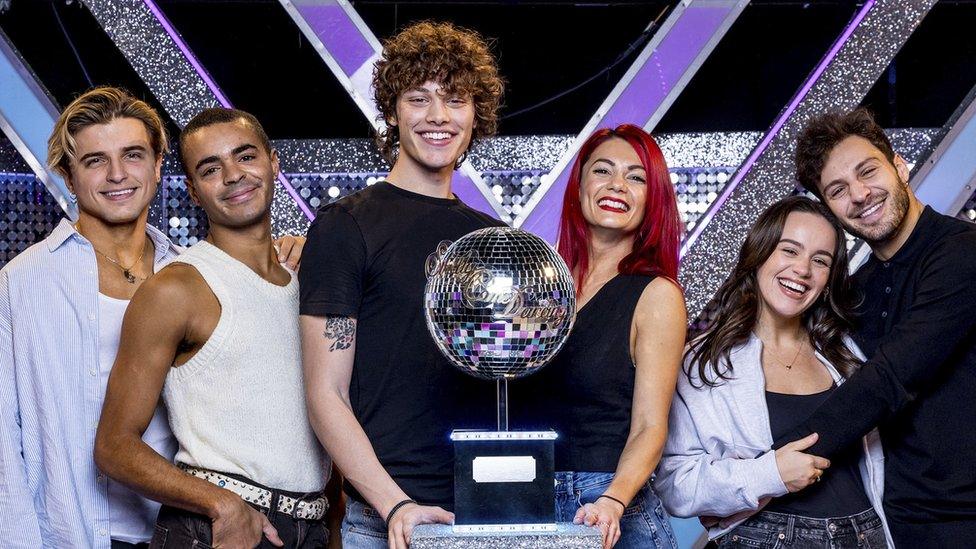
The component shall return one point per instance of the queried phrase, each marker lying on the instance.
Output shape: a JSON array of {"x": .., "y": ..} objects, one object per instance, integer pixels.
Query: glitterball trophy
[{"x": 500, "y": 303}]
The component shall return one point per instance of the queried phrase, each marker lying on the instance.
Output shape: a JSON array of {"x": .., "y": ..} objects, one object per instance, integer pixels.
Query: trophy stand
[
  {"x": 499, "y": 304},
  {"x": 504, "y": 492}
]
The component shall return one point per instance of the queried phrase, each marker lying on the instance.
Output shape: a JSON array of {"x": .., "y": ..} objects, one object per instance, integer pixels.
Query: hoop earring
[{"x": 460, "y": 160}]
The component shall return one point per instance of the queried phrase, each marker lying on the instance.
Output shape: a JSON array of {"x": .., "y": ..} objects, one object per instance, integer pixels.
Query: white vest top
[{"x": 238, "y": 405}]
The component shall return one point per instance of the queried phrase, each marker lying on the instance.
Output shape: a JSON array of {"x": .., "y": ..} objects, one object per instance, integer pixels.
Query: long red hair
[{"x": 658, "y": 236}]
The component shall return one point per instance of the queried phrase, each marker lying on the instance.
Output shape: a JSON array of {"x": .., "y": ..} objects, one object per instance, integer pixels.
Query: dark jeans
[
  {"x": 768, "y": 530},
  {"x": 176, "y": 529}
]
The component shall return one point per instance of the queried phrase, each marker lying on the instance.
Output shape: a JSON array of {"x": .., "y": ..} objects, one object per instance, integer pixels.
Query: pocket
[
  {"x": 590, "y": 486},
  {"x": 160, "y": 534},
  {"x": 745, "y": 536},
  {"x": 365, "y": 521},
  {"x": 873, "y": 538}
]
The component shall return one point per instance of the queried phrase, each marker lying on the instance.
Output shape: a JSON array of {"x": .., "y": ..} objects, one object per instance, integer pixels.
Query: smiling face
[
  {"x": 867, "y": 193},
  {"x": 232, "y": 175},
  {"x": 794, "y": 276},
  {"x": 435, "y": 128},
  {"x": 114, "y": 172},
  {"x": 613, "y": 187}
]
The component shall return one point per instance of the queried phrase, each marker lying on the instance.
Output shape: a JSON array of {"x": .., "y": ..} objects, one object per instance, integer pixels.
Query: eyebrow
[
  {"x": 98, "y": 154},
  {"x": 856, "y": 169},
  {"x": 797, "y": 244},
  {"x": 631, "y": 167},
  {"x": 214, "y": 158}
]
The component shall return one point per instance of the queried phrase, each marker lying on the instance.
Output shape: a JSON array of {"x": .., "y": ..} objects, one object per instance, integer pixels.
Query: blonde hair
[{"x": 100, "y": 106}]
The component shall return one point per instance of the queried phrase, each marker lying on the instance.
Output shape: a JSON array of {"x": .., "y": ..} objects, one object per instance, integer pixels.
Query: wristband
[
  {"x": 611, "y": 498},
  {"x": 397, "y": 508}
]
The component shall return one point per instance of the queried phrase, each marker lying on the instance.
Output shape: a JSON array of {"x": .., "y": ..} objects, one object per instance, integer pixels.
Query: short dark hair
[
  {"x": 458, "y": 58},
  {"x": 220, "y": 115},
  {"x": 824, "y": 132}
]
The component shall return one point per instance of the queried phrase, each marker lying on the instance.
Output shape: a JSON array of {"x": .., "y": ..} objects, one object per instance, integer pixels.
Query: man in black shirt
[
  {"x": 381, "y": 398},
  {"x": 915, "y": 324}
]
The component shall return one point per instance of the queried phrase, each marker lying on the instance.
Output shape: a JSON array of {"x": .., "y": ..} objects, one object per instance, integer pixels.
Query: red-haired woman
[{"x": 609, "y": 390}]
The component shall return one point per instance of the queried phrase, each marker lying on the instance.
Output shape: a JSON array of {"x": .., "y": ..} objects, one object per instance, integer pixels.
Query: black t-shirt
[
  {"x": 841, "y": 491},
  {"x": 366, "y": 258}
]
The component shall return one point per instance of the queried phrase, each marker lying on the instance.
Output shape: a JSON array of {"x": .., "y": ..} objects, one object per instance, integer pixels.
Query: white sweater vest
[{"x": 238, "y": 405}]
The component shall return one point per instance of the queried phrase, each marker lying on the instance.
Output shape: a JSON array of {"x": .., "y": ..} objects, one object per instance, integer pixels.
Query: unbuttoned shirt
[{"x": 51, "y": 494}]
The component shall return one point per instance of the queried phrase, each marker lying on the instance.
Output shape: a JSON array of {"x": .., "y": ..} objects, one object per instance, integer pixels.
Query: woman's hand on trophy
[
  {"x": 400, "y": 526},
  {"x": 604, "y": 513}
]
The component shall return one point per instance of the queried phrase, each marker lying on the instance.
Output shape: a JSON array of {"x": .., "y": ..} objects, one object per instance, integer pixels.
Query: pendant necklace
[
  {"x": 797, "y": 355},
  {"x": 126, "y": 271}
]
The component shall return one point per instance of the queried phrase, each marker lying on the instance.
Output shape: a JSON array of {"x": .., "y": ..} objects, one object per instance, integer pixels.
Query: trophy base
[
  {"x": 503, "y": 478},
  {"x": 563, "y": 535}
]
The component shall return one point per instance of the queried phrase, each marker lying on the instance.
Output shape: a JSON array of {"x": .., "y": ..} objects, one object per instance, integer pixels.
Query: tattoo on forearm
[{"x": 340, "y": 330}]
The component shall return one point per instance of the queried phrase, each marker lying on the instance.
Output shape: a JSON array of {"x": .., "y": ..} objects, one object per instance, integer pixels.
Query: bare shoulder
[
  {"x": 175, "y": 287},
  {"x": 662, "y": 299}
]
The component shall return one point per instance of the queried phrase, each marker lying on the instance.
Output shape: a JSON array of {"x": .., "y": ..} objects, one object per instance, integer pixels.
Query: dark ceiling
[{"x": 263, "y": 63}]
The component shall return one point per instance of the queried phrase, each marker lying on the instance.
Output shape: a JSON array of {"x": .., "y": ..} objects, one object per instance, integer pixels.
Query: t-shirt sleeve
[{"x": 333, "y": 265}]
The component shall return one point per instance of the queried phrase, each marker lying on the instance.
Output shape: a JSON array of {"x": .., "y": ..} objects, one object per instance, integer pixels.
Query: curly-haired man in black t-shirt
[{"x": 380, "y": 396}]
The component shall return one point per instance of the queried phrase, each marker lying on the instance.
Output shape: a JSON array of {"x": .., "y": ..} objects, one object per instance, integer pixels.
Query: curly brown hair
[
  {"x": 457, "y": 58},
  {"x": 824, "y": 132}
]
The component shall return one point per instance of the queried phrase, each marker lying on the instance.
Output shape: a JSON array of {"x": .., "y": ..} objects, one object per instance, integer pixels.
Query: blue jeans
[
  {"x": 362, "y": 527},
  {"x": 768, "y": 530},
  {"x": 644, "y": 524}
]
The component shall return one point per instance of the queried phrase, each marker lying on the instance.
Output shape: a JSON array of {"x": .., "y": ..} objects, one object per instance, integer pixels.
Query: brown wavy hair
[
  {"x": 458, "y": 58},
  {"x": 100, "y": 106},
  {"x": 822, "y": 133},
  {"x": 827, "y": 321}
]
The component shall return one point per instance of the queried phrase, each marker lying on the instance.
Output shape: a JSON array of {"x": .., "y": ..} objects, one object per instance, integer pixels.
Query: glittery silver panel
[
  {"x": 154, "y": 56},
  {"x": 567, "y": 536},
  {"x": 843, "y": 85},
  {"x": 10, "y": 159},
  {"x": 286, "y": 217},
  {"x": 173, "y": 80},
  {"x": 700, "y": 170}
]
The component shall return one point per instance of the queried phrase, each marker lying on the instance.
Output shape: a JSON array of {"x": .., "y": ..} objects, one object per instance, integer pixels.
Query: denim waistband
[{"x": 839, "y": 526}]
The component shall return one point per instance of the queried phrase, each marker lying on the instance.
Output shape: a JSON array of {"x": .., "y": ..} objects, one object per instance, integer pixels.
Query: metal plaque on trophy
[{"x": 500, "y": 303}]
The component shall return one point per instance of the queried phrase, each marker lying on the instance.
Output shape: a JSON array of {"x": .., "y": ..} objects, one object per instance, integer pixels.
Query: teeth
[
  {"x": 119, "y": 193},
  {"x": 793, "y": 285},
  {"x": 613, "y": 204},
  {"x": 870, "y": 210},
  {"x": 436, "y": 135}
]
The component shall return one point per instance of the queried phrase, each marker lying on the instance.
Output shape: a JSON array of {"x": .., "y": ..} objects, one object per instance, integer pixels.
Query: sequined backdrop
[{"x": 326, "y": 170}]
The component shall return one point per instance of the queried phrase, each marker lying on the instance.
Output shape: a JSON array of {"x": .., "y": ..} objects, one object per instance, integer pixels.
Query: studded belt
[{"x": 312, "y": 507}]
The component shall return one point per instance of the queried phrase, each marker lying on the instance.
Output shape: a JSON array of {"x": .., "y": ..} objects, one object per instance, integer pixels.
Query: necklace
[
  {"x": 789, "y": 366},
  {"x": 126, "y": 271}
]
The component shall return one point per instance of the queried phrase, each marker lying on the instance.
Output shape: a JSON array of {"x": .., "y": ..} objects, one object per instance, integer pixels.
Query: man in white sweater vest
[{"x": 249, "y": 468}]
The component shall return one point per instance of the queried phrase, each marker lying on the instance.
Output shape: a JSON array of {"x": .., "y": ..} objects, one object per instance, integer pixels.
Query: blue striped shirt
[{"x": 51, "y": 494}]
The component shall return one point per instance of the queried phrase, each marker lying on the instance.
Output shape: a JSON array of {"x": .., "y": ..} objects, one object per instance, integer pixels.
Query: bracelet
[
  {"x": 611, "y": 498},
  {"x": 397, "y": 508}
]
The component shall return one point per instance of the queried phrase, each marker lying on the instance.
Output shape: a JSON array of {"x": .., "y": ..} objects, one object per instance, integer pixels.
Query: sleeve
[
  {"x": 693, "y": 483},
  {"x": 333, "y": 265},
  {"x": 917, "y": 353},
  {"x": 19, "y": 522}
]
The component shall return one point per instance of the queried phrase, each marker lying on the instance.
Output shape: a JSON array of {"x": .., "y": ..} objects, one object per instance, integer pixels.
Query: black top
[
  {"x": 587, "y": 391},
  {"x": 365, "y": 258},
  {"x": 918, "y": 329},
  {"x": 840, "y": 492}
]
